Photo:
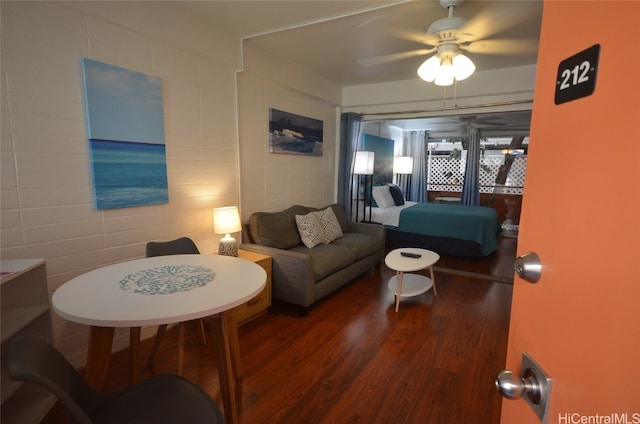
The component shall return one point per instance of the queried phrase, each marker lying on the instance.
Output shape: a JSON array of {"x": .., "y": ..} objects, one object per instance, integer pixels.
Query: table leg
[
  {"x": 399, "y": 275},
  {"x": 234, "y": 347},
  {"x": 134, "y": 354},
  {"x": 221, "y": 329},
  {"x": 433, "y": 280},
  {"x": 99, "y": 356}
]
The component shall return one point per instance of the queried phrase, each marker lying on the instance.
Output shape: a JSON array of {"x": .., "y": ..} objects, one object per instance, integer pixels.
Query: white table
[
  {"x": 405, "y": 285},
  {"x": 162, "y": 290}
]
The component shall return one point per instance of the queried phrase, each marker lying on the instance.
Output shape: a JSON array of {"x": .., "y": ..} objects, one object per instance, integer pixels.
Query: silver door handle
[
  {"x": 534, "y": 385},
  {"x": 529, "y": 267}
]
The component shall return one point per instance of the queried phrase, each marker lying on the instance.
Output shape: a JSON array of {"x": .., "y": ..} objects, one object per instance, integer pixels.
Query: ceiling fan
[{"x": 450, "y": 37}]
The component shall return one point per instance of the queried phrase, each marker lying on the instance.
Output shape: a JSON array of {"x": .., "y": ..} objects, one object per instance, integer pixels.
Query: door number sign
[{"x": 577, "y": 75}]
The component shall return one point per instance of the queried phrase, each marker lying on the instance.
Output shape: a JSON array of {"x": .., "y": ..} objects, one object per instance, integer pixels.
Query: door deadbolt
[
  {"x": 528, "y": 267},
  {"x": 534, "y": 386}
]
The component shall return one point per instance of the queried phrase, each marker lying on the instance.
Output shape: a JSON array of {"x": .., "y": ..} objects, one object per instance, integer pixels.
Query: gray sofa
[{"x": 302, "y": 276}]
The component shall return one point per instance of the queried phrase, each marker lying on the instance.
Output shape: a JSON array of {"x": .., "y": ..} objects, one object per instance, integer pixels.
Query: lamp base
[{"x": 228, "y": 247}]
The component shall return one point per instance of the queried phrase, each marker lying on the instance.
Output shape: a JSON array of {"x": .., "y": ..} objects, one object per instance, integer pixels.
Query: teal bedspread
[{"x": 476, "y": 223}]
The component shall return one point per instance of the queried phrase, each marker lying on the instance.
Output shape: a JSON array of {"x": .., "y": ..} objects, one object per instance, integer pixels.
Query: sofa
[{"x": 303, "y": 275}]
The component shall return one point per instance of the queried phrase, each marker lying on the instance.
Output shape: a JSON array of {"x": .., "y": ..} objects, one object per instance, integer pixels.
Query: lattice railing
[{"x": 446, "y": 174}]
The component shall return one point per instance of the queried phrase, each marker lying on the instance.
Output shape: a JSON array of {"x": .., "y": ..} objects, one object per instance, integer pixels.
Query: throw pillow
[
  {"x": 310, "y": 230},
  {"x": 396, "y": 193},
  {"x": 329, "y": 224},
  {"x": 382, "y": 196}
]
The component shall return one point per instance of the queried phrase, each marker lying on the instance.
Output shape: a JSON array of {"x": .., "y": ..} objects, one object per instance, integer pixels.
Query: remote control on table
[{"x": 411, "y": 255}]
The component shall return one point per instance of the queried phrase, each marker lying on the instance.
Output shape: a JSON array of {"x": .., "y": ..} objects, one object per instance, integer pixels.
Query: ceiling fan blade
[
  {"x": 501, "y": 16},
  {"x": 420, "y": 37},
  {"x": 381, "y": 60},
  {"x": 502, "y": 47}
]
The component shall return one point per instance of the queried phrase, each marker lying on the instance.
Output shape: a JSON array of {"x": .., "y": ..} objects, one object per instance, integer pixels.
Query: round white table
[
  {"x": 162, "y": 290},
  {"x": 406, "y": 285}
]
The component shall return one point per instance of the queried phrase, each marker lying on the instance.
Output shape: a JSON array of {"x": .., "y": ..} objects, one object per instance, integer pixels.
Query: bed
[{"x": 452, "y": 230}]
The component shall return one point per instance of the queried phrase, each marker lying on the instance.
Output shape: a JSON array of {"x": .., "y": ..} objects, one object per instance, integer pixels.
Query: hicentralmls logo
[{"x": 612, "y": 418}]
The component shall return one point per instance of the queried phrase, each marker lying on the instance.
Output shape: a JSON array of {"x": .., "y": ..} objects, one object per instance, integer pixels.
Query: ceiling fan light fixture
[
  {"x": 445, "y": 74},
  {"x": 463, "y": 67},
  {"x": 428, "y": 70},
  {"x": 443, "y": 69}
]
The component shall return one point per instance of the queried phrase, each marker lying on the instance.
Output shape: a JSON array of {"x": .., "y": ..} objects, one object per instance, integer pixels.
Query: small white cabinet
[{"x": 25, "y": 309}]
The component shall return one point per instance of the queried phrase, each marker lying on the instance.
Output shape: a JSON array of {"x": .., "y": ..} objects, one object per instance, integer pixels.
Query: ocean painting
[
  {"x": 126, "y": 136},
  {"x": 294, "y": 134}
]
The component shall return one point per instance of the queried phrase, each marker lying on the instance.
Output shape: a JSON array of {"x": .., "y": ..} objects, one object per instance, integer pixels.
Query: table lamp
[{"x": 226, "y": 220}]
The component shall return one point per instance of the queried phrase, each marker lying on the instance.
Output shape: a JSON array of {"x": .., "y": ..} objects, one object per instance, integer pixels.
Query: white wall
[
  {"x": 272, "y": 182},
  {"x": 47, "y": 197}
]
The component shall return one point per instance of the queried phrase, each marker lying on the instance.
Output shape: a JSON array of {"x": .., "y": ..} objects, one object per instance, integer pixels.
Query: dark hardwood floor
[{"x": 355, "y": 360}]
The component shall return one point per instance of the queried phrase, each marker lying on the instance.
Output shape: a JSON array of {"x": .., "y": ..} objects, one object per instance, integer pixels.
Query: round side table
[{"x": 406, "y": 285}]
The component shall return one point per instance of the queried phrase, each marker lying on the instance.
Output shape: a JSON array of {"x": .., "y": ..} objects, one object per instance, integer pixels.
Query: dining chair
[
  {"x": 166, "y": 398},
  {"x": 180, "y": 246}
]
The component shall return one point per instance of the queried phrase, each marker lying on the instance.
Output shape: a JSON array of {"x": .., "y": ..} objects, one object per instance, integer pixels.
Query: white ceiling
[{"x": 338, "y": 39}]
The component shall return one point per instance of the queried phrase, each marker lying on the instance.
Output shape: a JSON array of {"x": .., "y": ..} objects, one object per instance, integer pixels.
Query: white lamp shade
[
  {"x": 463, "y": 67},
  {"x": 445, "y": 74},
  {"x": 427, "y": 71},
  {"x": 403, "y": 165},
  {"x": 444, "y": 69},
  {"x": 364, "y": 163},
  {"x": 226, "y": 220}
]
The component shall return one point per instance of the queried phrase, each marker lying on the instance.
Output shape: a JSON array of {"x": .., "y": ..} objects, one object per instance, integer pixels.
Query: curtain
[
  {"x": 349, "y": 137},
  {"x": 471, "y": 184},
  {"x": 415, "y": 145}
]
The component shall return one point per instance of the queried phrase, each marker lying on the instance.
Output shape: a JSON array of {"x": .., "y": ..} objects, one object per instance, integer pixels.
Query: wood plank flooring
[{"x": 355, "y": 360}]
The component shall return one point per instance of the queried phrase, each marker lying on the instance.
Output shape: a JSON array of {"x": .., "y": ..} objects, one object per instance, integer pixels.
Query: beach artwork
[
  {"x": 294, "y": 134},
  {"x": 126, "y": 136}
]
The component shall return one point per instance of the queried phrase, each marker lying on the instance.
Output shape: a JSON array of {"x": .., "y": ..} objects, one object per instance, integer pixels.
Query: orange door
[{"x": 581, "y": 215}]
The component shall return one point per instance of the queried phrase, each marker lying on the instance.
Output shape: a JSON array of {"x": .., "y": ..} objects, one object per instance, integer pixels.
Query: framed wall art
[
  {"x": 126, "y": 136},
  {"x": 294, "y": 134}
]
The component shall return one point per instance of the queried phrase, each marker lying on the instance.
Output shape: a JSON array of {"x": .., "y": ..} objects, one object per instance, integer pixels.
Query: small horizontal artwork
[
  {"x": 126, "y": 136},
  {"x": 294, "y": 134}
]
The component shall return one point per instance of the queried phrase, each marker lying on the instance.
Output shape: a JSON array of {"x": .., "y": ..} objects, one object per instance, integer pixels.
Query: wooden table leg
[
  {"x": 234, "y": 346},
  {"x": 399, "y": 275},
  {"x": 433, "y": 280},
  {"x": 99, "y": 356},
  {"x": 134, "y": 353},
  {"x": 220, "y": 326}
]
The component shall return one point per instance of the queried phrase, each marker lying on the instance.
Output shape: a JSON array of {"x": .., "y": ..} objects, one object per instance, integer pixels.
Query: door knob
[
  {"x": 528, "y": 267},
  {"x": 512, "y": 386},
  {"x": 534, "y": 385}
]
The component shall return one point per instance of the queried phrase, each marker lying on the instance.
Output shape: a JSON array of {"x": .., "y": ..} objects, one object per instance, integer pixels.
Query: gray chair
[
  {"x": 166, "y": 398},
  {"x": 181, "y": 246}
]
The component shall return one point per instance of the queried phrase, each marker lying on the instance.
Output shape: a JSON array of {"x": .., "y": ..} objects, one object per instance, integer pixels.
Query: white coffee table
[{"x": 406, "y": 285}]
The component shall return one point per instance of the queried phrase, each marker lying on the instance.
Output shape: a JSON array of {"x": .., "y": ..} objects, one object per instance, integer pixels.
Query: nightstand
[{"x": 259, "y": 304}]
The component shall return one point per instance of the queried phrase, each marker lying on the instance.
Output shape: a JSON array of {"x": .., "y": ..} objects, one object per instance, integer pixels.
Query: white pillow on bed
[{"x": 382, "y": 196}]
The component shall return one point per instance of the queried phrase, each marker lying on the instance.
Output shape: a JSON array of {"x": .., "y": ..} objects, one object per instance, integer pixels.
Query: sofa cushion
[
  {"x": 274, "y": 229},
  {"x": 341, "y": 216},
  {"x": 327, "y": 258},
  {"x": 329, "y": 224},
  {"x": 362, "y": 245},
  {"x": 310, "y": 229},
  {"x": 318, "y": 227}
]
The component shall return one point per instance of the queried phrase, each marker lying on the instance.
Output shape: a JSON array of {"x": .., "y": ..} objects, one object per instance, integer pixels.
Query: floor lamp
[
  {"x": 363, "y": 166},
  {"x": 403, "y": 165}
]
